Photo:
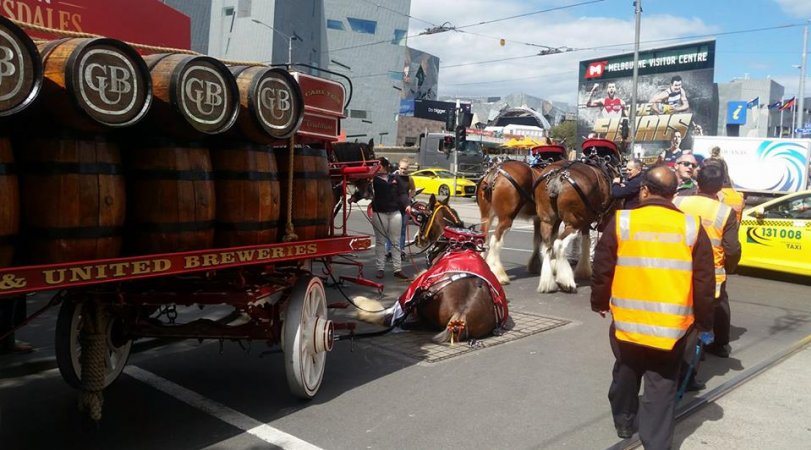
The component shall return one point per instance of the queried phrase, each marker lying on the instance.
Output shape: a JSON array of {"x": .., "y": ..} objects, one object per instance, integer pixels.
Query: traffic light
[
  {"x": 624, "y": 130},
  {"x": 461, "y": 135},
  {"x": 450, "y": 120}
]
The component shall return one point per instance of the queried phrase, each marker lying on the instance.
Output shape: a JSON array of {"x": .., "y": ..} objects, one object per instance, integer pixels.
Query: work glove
[{"x": 706, "y": 337}]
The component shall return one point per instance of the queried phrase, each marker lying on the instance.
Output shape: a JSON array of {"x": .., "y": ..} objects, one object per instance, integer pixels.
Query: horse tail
[
  {"x": 554, "y": 186},
  {"x": 371, "y": 311},
  {"x": 457, "y": 320}
]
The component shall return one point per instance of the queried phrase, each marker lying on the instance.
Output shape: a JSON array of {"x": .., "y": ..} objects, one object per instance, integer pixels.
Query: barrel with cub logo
[
  {"x": 271, "y": 104},
  {"x": 94, "y": 84},
  {"x": 20, "y": 69},
  {"x": 194, "y": 95}
]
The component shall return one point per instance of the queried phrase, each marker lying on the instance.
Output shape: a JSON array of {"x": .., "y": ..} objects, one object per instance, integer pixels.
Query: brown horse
[
  {"x": 577, "y": 194},
  {"x": 505, "y": 193},
  {"x": 457, "y": 294}
]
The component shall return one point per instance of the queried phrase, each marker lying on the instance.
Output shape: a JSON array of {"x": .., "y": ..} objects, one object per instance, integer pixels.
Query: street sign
[{"x": 803, "y": 130}]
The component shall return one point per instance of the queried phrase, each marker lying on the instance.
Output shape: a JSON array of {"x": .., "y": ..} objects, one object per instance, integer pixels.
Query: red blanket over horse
[{"x": 453, "y": 265}]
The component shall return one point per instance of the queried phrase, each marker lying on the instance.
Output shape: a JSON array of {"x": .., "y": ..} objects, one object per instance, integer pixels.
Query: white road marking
[
  {"x": 232, "y": 417},
  {"x": 517, "y": 249}
]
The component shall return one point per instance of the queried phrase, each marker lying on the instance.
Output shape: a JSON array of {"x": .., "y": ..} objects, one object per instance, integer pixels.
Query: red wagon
[{"x": 204, "y": 248}]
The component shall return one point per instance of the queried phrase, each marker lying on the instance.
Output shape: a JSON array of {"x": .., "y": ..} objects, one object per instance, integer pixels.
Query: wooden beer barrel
[
  {"x": 20, "y": 69},
  {"x": 73, "y": 198},
  {"x": 171, "y": 198},
  {"x": 247, "y": 186},
  {"x": 10, "y": 201},
  {"x": 312, "y": 192},
  {"x": 194, "y": 95},
  {"x": 271, "y": 106},
  {"x": 92, "y": 84}
]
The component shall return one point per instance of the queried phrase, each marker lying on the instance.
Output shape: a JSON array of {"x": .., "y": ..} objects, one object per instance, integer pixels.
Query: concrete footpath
[{"x": 770, "y": 411}]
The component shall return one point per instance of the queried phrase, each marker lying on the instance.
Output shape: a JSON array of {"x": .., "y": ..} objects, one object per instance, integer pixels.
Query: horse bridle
[{"x": 426, "y": 228}]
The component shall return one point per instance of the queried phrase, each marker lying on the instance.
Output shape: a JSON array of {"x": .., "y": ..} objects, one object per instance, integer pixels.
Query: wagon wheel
[
  {"x": 69, "y": 349},
  {"x": 307, "y": 336}
]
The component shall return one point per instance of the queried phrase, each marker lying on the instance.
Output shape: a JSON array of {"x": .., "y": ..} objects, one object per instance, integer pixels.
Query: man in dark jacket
[
  {"x": 635, "y": 277},
  {"x": 387, "y": 219},
  {"x": 628, "y": 191}
]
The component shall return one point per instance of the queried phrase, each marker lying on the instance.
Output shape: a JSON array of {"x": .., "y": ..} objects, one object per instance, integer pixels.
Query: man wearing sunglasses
[{"x": 686, "y": 170}]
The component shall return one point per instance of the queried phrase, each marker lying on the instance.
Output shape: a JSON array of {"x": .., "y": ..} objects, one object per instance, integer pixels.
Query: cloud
[
  {"x": 798, "y": 8},
  {"x": 464, "y": 54}
]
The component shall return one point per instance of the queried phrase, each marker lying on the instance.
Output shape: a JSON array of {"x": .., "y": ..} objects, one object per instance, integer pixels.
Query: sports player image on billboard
[{"x": 675, "y": 96}]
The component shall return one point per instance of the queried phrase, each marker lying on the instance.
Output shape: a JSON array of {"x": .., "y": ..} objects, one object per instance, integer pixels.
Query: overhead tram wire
[{"x": 517, "y": 16}]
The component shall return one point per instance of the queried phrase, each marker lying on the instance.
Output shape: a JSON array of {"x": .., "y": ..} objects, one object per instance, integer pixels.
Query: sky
[{"x": 467, "y": 56}]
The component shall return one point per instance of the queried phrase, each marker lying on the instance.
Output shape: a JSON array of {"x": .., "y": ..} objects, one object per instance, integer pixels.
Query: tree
[{"x": 565, "y": 131}]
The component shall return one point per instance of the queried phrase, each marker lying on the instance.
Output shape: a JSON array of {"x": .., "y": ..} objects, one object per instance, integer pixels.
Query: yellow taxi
[
  {"x": 776, "y": 235},
  {"x": 440, "y": 182}
]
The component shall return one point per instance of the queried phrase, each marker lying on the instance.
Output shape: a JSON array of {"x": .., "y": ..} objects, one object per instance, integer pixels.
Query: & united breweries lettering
[{"x": 54, "y": 277}]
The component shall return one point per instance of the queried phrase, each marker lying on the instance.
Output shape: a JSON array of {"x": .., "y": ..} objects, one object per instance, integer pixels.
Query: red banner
[
  {"x": 18, "y": 280},
  {"x": 144, "y": 21},
  {"x": 321, "y": 95}
]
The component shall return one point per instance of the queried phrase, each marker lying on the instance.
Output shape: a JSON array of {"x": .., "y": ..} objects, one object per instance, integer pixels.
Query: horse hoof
[
  {"x": 547, "y": 290},
  {"x": 504, "y": 280},
  {"x": 569, "y": 289}
]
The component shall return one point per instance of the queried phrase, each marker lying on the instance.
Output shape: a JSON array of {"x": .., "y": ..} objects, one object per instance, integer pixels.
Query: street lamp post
[
  {"x": 800, "y": 104},
  {"x": 289, "y": 38},
  {"x": 638, "y": 21}
]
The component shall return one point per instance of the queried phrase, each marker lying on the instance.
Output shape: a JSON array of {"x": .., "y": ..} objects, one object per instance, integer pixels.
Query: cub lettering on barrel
[
  {"x": 197, "y": 95},
  {"x": 271, "y": 104},
  {"x": 93, "y": 84},
  {"x": 20, "y": 69}
]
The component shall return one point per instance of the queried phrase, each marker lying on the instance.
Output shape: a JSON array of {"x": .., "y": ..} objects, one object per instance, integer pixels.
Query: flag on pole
[
  {"x": 754, "y": 103},
  {"x": 788, "y": 104},
  {"x": 776, "y": 105}
]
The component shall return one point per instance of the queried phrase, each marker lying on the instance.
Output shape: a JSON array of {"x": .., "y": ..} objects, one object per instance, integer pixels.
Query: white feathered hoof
[
  {"x": 369, "y": 310},
  {"x": 570, "y": 288},
  {"x": 546, "y": 286}
]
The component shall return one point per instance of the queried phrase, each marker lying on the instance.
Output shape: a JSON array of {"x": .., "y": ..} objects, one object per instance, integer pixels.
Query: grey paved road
[{"x": 546, "y": 390}]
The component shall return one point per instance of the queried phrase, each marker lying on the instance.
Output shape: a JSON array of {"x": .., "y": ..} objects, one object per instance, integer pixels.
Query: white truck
[{"x": 770, "y": 166}]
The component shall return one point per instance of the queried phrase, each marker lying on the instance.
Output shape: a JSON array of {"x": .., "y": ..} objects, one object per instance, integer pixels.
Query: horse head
[{"x": 436, "y": 215}]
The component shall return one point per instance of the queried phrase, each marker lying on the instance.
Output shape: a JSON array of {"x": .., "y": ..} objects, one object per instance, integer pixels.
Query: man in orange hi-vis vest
[
  {"x": 654, "y": 271},
  {"x": 721, "y": 225}
]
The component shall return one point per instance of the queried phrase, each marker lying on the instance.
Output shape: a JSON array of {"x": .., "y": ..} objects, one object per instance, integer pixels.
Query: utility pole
[
  {"x": 457, "y": 147},
  {"x": 638, "y": 14},
  {"x": 801, "y": 100}
]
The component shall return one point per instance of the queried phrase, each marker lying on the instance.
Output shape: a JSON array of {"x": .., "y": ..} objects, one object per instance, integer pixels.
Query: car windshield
[{"x": 444, "y": 174}]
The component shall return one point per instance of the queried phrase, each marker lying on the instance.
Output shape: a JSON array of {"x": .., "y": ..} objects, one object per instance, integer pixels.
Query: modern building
[
  {"x": 362, "y": 40},
  {"x": 367, "y": 42},
  {"x": 486, "y": 109},
  {"x": 760, "y": 121}
]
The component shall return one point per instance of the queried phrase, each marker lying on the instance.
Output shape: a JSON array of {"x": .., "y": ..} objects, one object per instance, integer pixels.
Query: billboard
[
  {"x": 144, "y": 22},
  {"x": 420, "y": 75},
  {"x": 675, "y": 92}
]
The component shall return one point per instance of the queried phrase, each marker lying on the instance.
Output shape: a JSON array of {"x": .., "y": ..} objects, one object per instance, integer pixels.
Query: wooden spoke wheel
[
  {"x": 307, "y": 336},
  {"x": 69, "y": 347}
]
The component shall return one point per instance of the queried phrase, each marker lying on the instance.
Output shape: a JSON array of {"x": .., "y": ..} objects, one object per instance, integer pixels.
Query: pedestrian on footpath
[
  {"x": 721, "y": 225},
  {"x": 628, "y": 190},
  {"x": 406, "y": 190},
  {"x": 387, "y": 219},
  {"x": 653, "y": 270}
]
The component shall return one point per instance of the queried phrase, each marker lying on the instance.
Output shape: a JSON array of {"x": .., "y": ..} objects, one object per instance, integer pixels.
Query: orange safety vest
[
  {"x": 733, "y": 199},
  {"x": 713, "y": 216},
  {"x": 652, "y": 290}
]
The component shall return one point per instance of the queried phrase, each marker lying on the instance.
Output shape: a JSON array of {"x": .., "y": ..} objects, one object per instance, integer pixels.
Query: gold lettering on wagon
[
  {"x": 248, "y": 256},
  {"x": 76, "y": 274}
]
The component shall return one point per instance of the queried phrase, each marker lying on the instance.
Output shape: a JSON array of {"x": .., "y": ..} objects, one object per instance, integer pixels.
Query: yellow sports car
[
  {"x": 776, "y": 235},
  {"x": 440, "y": 182}
]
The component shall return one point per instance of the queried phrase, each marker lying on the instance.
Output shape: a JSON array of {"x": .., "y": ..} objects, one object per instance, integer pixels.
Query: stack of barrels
[{"x": 123, "y": 154}]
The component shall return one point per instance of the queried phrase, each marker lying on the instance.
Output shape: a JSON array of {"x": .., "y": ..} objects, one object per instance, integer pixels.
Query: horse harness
[
  {"x": 565, "y": 174},
  {"x": 490, "y": 180}
]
